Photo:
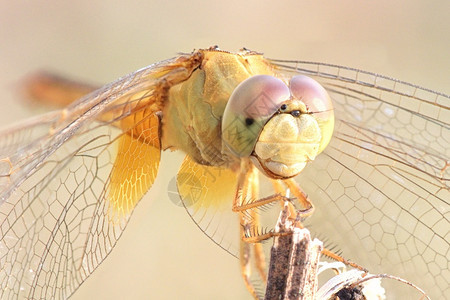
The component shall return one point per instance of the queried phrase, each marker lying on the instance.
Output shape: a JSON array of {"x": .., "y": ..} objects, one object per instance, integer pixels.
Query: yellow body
[{"x": 192, "y": 115}]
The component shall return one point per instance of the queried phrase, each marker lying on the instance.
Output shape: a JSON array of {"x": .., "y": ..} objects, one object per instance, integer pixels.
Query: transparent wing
[
  {"x": 381, "y": 188},
  {"x": 207, "y": 193},
  {"x": 69, "y": 183}
]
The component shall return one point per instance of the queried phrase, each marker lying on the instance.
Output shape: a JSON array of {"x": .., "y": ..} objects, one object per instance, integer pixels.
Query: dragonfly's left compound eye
[
  {"x": 250, "y": 106},
  {"x": 317, "y": 102}
]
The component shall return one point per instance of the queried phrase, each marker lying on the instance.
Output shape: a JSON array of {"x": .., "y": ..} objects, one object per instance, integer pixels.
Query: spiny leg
[
  {"x": 308, "y": 207},
  {"x": 257, "y": 247},
  {"x": 244, "y": 203},
  {"x": 293, "y": 187},
  {"x": 280, "y": 189},
  {"x": 245, "y": 225},
  {"x": 339, "y": 258},
  {"x": 245, "y": 261}
]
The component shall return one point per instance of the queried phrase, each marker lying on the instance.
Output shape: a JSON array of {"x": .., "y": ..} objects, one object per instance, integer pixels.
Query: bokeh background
[{"x": 162, "y": 254}]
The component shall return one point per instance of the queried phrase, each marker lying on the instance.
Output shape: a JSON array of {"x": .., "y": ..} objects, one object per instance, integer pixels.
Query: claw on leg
[{"x": 246, "y": 269}]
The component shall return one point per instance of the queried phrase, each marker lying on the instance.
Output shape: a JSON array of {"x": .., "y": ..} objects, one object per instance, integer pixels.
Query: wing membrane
[
  {"x": 382, "y": 186},
  {"x": 59, "y": 188},
  {"x": 49, "y": 224},
  {"x": 207, "y": 193}
]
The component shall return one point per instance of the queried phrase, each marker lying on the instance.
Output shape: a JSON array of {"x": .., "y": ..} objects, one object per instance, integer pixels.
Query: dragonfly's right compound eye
[{"x": 250, "y": 106}]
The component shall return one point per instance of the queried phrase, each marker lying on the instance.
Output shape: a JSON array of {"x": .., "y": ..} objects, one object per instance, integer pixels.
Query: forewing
[
  {"x": 64, "y": 201},
  {"x": 381, "y": 188}
]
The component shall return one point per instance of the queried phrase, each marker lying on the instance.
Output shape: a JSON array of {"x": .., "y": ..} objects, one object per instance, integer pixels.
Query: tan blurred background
[{"x": 162, "y": 255}]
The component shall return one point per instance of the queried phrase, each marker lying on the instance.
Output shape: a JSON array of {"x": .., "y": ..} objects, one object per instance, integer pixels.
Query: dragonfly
[{"x": 364, "y": 157}]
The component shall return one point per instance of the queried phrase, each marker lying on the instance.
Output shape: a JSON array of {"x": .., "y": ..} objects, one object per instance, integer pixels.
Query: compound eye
[
  {"x": 313, "y": 95},
  {"x": 317, "y": 102},
  {"x": 258, "y": 97},
  {"x": 250, "y": 106}
]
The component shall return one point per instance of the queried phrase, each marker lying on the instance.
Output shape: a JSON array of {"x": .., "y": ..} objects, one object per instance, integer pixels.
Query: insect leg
[
  {"x": 301, "y": 197},
  {"x": 245, "y": 261},
  {"x": 257, "y": 247},
  {"x": 339, "y": 258},
  {"x": 245, "y": 204},
  {"x": 304, "y": 200},
  {"x": 280, "y": 189},
  {"x": 247, "y": 185}
]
